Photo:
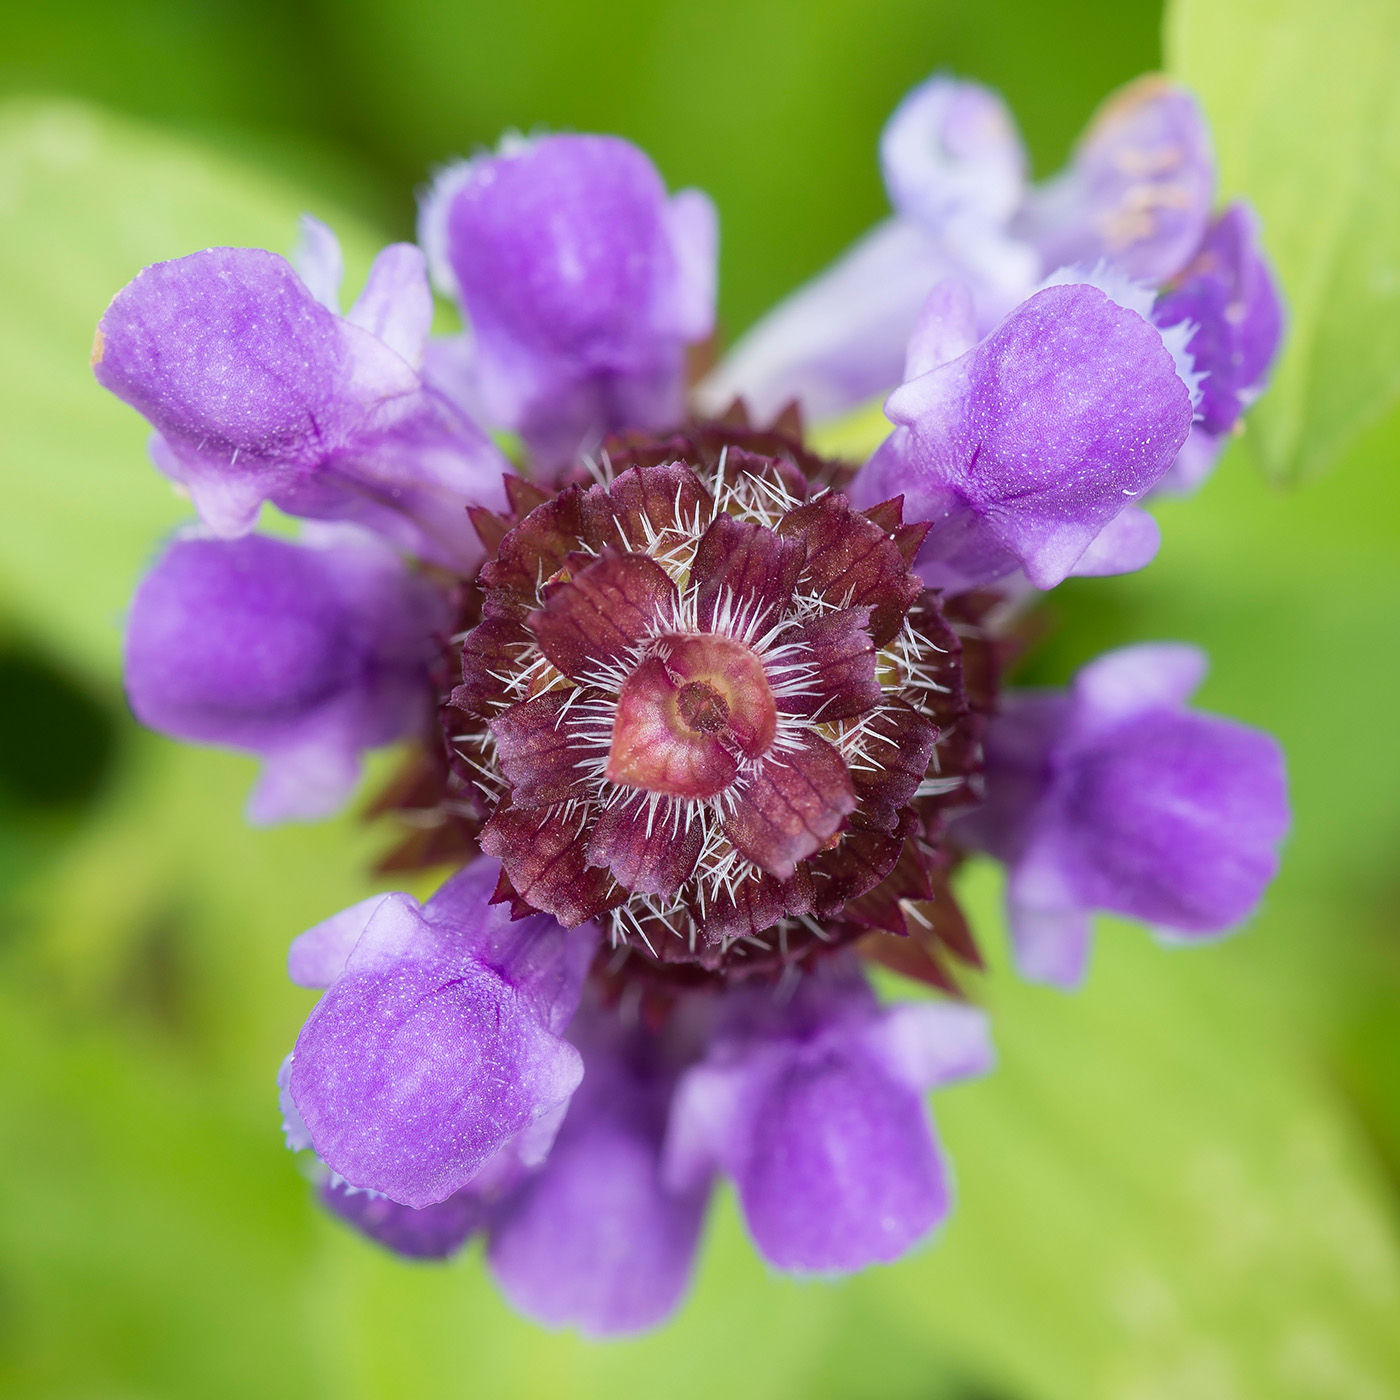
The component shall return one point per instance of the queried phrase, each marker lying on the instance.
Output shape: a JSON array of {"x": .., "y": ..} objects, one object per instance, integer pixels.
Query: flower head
[
  {"x": 705, "y": 700},
  {"x": 702, "y": 720}
]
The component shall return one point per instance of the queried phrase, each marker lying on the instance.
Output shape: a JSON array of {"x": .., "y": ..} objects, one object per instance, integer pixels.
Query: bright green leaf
[{"x": 1304, "y": 102}]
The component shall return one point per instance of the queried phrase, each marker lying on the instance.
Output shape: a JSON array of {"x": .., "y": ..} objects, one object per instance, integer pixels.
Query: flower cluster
[{"x": 699, "y": 720}]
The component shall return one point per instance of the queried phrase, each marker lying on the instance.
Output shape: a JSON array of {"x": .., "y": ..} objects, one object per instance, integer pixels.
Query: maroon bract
[{"x": 709, "y": 703}]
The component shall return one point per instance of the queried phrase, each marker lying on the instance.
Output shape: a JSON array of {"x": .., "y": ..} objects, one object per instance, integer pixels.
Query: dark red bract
[{"x": 706, "y": 702}]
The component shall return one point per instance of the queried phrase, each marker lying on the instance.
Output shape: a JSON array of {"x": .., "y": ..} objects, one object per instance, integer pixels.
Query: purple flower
[
  {"x": 1136, "y": 195},
  {"x": 1115, "y": 796},
  {"x": 1028, "y": 449},
  {"x": 596, "y": 1239},
  {"x": 717, "y": 693},
  {"x": 814, "y": 1107},
  {"x": 305, "y": 654},
  {"x": 581, "y": 282},
  {"x": 593, "y": 1237},
  {"x": 1227, "y": 300},
  {"x": 438, "y": 1040},
  {"x": 259, "y": 393}
]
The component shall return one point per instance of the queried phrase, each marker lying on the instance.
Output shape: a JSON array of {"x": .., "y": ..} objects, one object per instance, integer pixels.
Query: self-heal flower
[
  {"x": 306, "y": 654},
  {"x": 702, "y": 699},
  {"x": 438, "y": 1040},
  {"x": 703, "y": 719},
  {"x": 258, "y": 392},
  {"x": 1027, "y": 450},
  {"x": 1116, "y": 797},
  {"x": 581, "y": 282}
]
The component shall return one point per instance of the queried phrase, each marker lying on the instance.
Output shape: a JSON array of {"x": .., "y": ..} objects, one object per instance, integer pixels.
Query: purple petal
[
  {"x": 544, "y": 962},
  {"x": 318, "y": 956},
  {"x": 926, "y": 1044},
  {"x": 1136, "y": 680},
  {"x": 307, "y": 654},
  {"x": 318, "y": 261},
  {"x": 596, "y": 1239},
  {"x": 1052, "y": 944},
  {"x": 812, "y": 1106},
  {"x": 1117, "y": 797},
  {"x": 261, "y": 393},
  {"x": 1025, "y": 449},
  {"x": 1127, "y": 543},
  {"x": 582, "y": 283},
  {"x": 1138, "y": 192},
  {"x": 954, "y": 169},
  {"x": 434, "y": 1232},
  {"x": 945, "y": 331},
  {"x": 950, "y": 153},
  {"x": 437, "y": 1043},
  {"x": 1227, "y": 296},
  {"x": 1178, "y": 818},
  {"x": 842, "y": 1170},
  {"x": 396, "y": 305}
]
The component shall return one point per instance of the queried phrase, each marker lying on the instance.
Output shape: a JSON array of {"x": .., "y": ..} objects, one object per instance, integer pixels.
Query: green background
[{"x": 1180, "y": 1182}]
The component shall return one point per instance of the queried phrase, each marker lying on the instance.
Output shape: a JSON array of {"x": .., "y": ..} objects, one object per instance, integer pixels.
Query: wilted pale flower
[{"x": 702, "y": 718}]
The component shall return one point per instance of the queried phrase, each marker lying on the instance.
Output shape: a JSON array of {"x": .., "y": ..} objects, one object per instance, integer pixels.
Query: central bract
[{"x": 708, "y": 702}]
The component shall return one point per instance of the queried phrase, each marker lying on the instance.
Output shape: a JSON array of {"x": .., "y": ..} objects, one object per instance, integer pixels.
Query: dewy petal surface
[
  {"x": 1026, "y": 448},
  {"x": 258, "y": 392},
  {"x": 432, "y": 1049}
]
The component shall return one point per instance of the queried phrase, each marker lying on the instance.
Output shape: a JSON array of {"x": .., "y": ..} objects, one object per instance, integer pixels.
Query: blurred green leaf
[
  {"x": 774, "y": 108},
  {"x": 1304, "y": 102},
  {"x": 86, "y": 200}
]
